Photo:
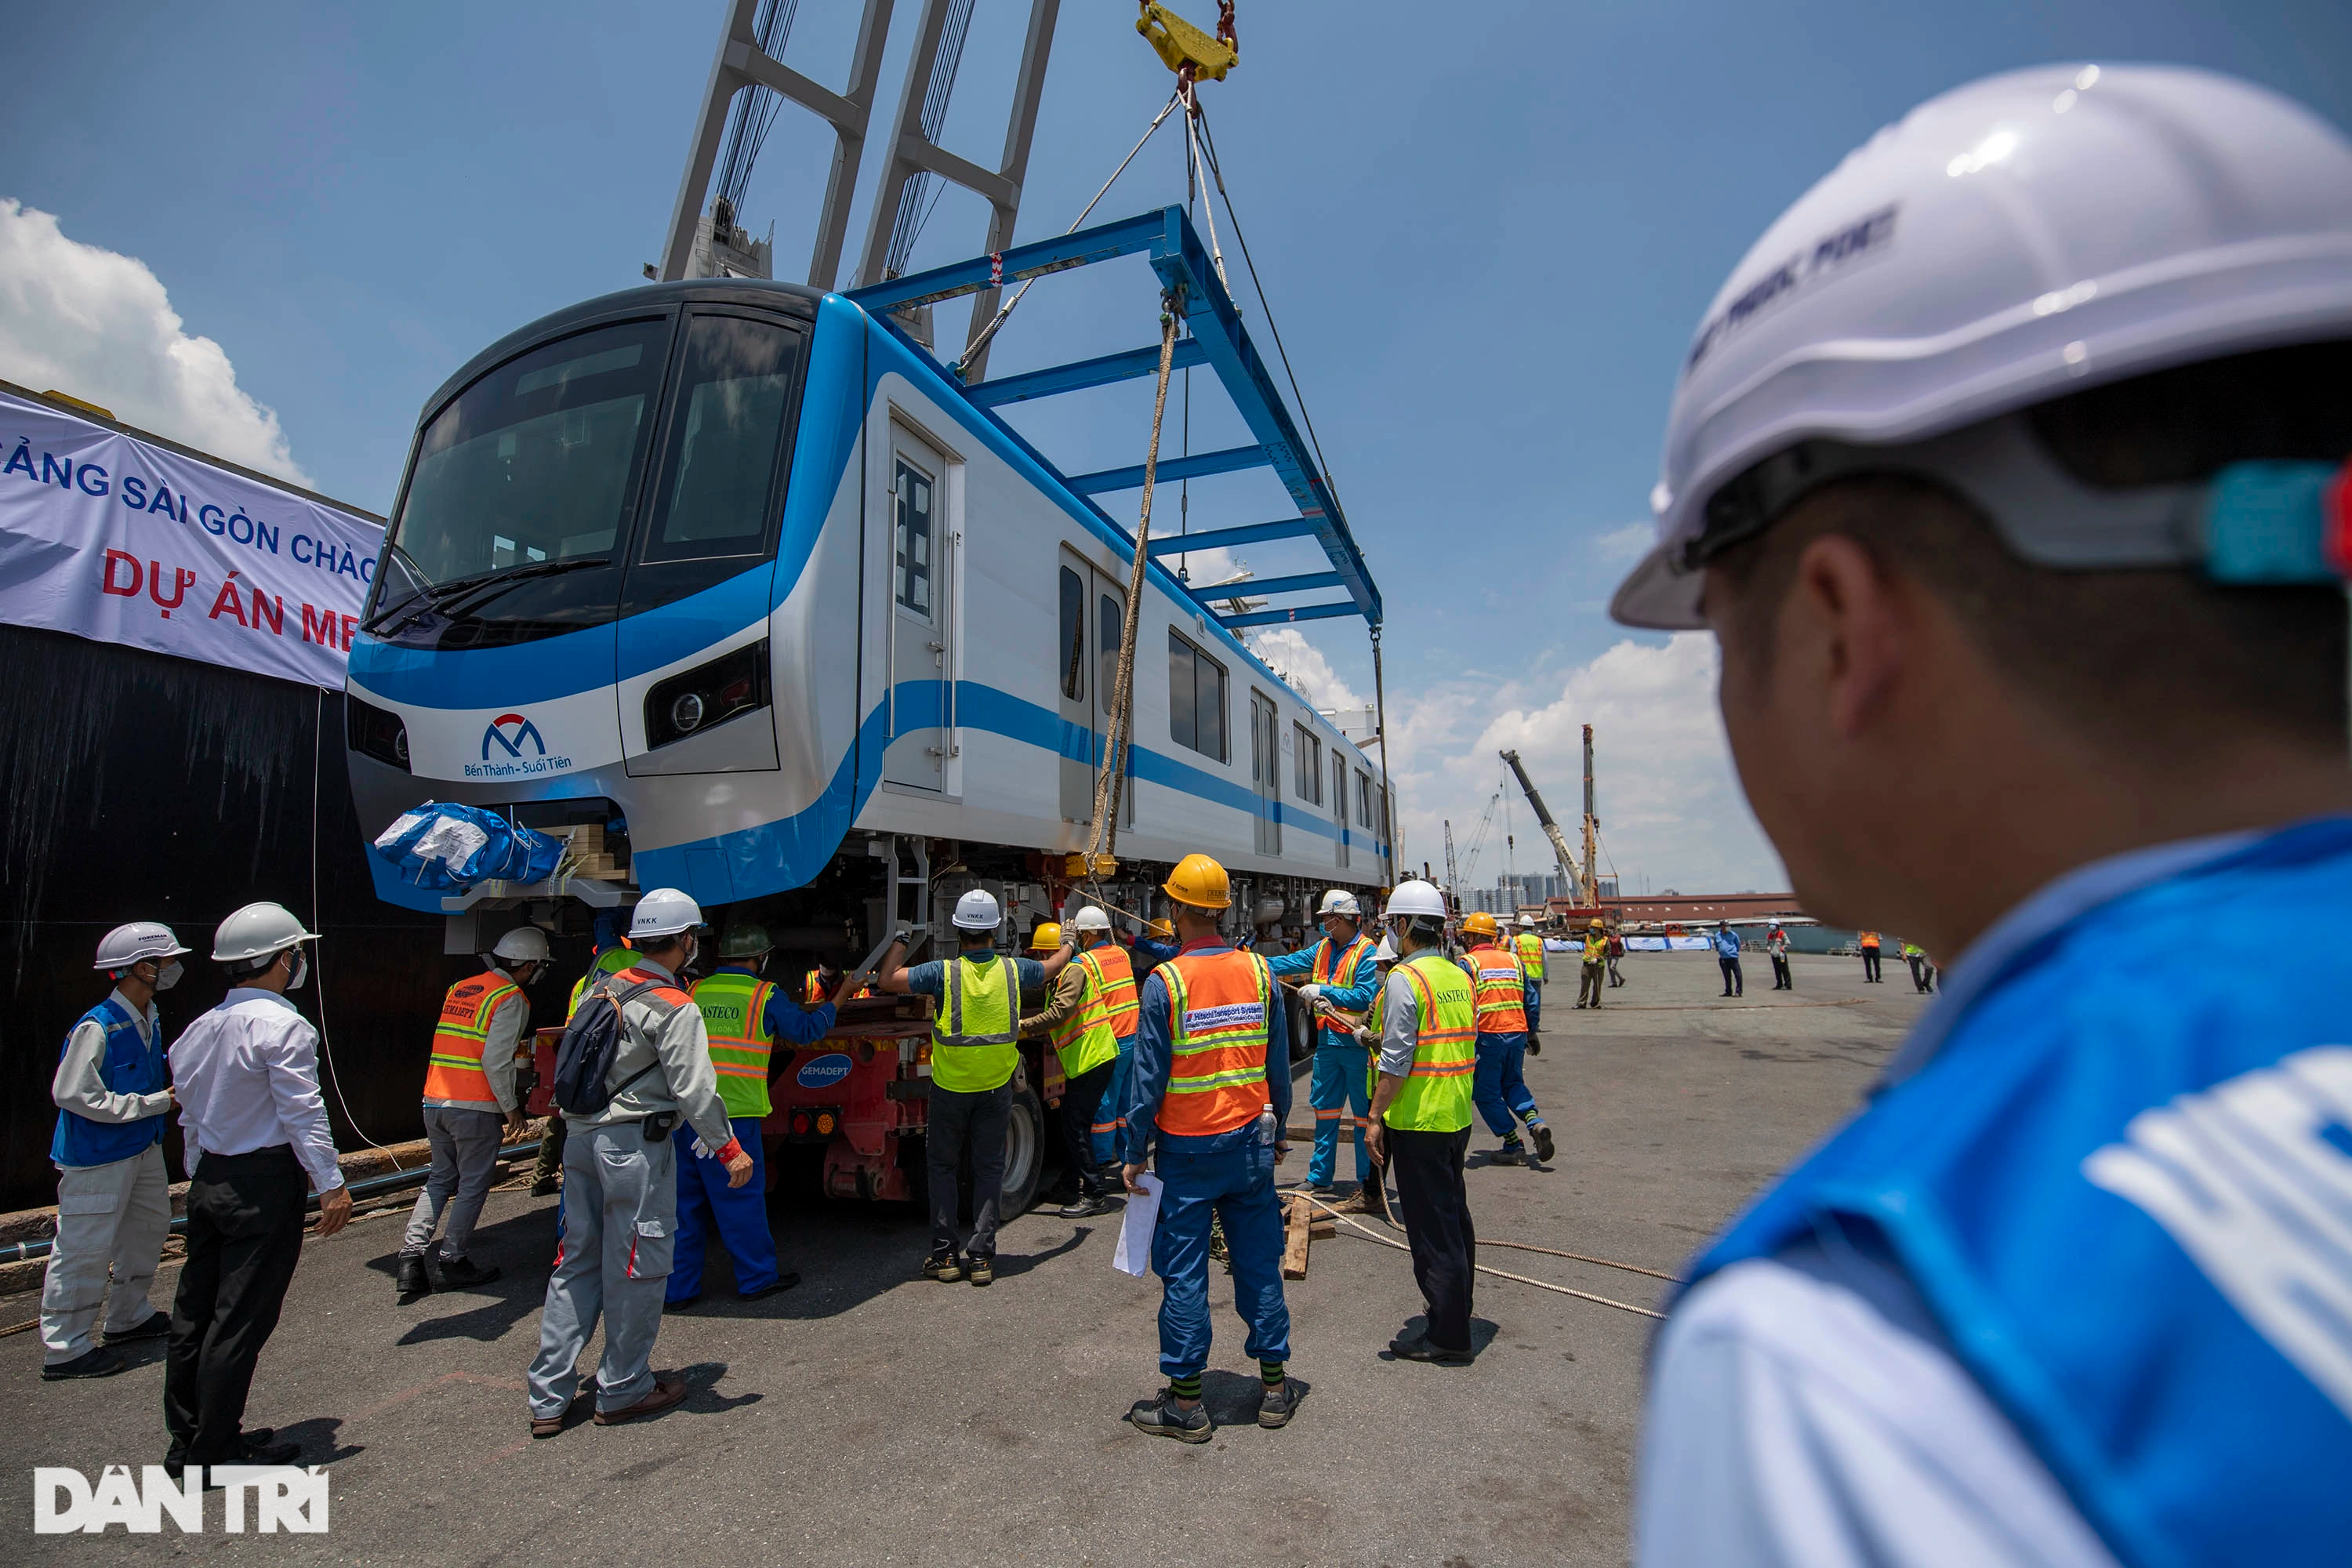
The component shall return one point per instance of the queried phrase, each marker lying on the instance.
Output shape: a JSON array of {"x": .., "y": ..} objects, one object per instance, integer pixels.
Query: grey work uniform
[
  {"x": 465, "y": 1136},
  {"x": 111, "y": 1218},
  {"x": 617, "y": 1220}
]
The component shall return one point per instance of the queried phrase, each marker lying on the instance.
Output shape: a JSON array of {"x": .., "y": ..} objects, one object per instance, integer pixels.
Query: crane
[
  {"x": 1453, "y": 882},
  {"x": 1580, "y": 883}
]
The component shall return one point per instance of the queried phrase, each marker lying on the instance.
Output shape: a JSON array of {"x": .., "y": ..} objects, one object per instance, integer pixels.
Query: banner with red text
[{"x": 121, "y": 541}]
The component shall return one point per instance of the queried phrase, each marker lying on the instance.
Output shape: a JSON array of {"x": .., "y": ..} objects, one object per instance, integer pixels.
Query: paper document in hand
[{"x": 1134, "y": 1254}]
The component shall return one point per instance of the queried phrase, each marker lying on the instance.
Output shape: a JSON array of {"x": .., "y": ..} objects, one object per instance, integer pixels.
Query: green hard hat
[{"x": 745, "y": 939}]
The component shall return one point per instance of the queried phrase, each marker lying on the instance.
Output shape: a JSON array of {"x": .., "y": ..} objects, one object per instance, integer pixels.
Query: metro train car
[{"x": 731, "y": 583}]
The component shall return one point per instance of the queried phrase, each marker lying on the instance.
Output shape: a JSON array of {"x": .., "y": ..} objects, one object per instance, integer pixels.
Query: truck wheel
[{"x": 1024, "y": 1153}]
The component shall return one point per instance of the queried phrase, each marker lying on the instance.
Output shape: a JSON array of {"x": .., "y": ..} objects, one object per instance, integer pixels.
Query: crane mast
[
  {"x": 1580, "y": 883},
  {"x": 1452, "y": 881}
]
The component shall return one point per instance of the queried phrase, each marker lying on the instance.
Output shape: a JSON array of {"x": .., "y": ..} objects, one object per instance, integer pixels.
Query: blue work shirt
[
  {"x": 1726, "y": 944},
  {"x": 787, "y": 1020},
  {"x": 1148, "y": 1078},
  {"x": 1355, "y": 995}
]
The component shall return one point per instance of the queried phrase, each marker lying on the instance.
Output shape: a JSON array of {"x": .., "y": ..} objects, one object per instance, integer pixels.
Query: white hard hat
[
  {"x": 524, "y": 944},
  {"x": 1417, "y": 898},
  {"x": 258, "y": 930},
  {"x": 1091, "y": 918},
  {"x": 136, "y": 943},
  {"x": 1527, "y": 920},
  {"x": 978, "y": 911},
  {"x": 1339, "y": 901},
  {"x": 2015, "y": 239},
  {"x": 1386, "y": 952},
  {"x": 665, "y": 911}
]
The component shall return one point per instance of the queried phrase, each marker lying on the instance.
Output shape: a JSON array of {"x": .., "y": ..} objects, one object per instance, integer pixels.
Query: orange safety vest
[
  {"x": 1500, "y": 987},
  {"x": 1868, "y": 939},
  {"x": 1218, "y": 1038},
  {"x": 1113, "y": 974},
  {"x": 455, "y": 1069},
  {"x": 812, "y": 991}
]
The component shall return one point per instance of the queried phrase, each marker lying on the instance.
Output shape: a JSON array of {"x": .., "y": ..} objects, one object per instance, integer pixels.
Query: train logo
[
  {"x": 829, "y": 1068},
  {"x": 525, "y": 731}
]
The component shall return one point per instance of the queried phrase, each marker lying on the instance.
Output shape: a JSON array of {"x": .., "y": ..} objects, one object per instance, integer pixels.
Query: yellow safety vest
[
  {"x": 455, "y": 1068},
  {"x": 1531, "y": 954},
  {"x": 611, "y": 961},
  {"x": 1436, "y": 1095},
  {"x": 972, "y": 1034},
  {"x": 1089, "y": 1036},
  {"x": 734, "y": 1010}
]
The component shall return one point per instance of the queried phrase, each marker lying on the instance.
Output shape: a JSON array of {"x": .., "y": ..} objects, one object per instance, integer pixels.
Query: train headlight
[
  {"x": 706, "y": 696},
  {"x": 376, "y": 732}
]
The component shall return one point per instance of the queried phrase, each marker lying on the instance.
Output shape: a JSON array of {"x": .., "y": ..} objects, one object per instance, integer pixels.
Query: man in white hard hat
[
  {"x": 2009, "y": 469},
  {"x": 974, "y": 1054},
  {"x": 617, "y": 1228},
  {"x": 1339, "y": 971},
  {"x": 113, "y": 1205},
  {"x": 257, "y": 1143},
  {"x": 470, "y": 1103},
  {"x": 1091, "y": 1023}
]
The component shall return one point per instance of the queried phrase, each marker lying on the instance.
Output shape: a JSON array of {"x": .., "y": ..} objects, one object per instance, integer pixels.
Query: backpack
[{"x": 592, "y": 1041}]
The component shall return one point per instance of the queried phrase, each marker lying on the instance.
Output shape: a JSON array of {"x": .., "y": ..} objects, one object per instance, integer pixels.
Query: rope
[{"x": 1371, "y": 1235}]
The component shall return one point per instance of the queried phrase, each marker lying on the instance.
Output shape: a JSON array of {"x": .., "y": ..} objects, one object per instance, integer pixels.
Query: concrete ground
[{"x": 870, "y": 1416}]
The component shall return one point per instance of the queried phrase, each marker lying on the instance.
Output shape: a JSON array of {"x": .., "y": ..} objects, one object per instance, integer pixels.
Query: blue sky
[{"x": 1487, "y": 231}]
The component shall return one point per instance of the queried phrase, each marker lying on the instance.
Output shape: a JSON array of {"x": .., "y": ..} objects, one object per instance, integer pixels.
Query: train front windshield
[{"x": 527, "y": 512}]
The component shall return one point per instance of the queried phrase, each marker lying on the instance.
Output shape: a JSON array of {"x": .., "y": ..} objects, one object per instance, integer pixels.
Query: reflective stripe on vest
[
  {"x": 1089, "y": 1036},
  {"x": 971, "y": 1036},
  {"x": 1436, "y": 1095},
  {"x": 734, "y": 1010},
  {"x": 455, "y": 1066},
  {"x": 813, "y": 991},
  {"x": 611, "y": 961},
  {"x": 1216, "y": 1070},
  {"x": 1499, "y": 986},
  {"x": 1530, "y": 948}
]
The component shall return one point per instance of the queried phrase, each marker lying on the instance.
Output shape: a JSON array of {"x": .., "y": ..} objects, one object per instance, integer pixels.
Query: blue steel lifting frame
[{"x": 1216, "y": 339}]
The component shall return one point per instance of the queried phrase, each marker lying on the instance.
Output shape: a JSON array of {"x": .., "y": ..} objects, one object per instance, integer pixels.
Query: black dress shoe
[
  {"x": 782, "y": 1282},
  {"x": 98, "y": 1362},
  {"x": 155, "y": 1328},
  {"x": 463, "y": 1273},
  {"x": 413, "y": 1282},
  {"x": 1418, "y": 1348}
]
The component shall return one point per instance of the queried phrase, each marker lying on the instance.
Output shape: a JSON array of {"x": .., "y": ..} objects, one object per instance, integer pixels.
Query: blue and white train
[{"x": 733, "y": 572}]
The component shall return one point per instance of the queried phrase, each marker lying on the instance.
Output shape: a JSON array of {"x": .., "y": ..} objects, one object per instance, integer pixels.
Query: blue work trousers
[
  {"x": 1499, "y": 1090},
  {"x": 1110, "y": 1116},
  {"x": 1535, "y": 1005},
  {"x": 739, "y": 1214},
  {"x": 1236, "y": 1185},
  {"x": 1339, "y": 1082}
]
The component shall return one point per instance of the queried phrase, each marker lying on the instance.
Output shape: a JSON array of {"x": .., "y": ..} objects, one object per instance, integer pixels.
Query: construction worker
[
  {"x": 1727, "y": 958},
  {"x": 1776, "y": 943},
  {"x": 818, "y": 985},
  {"x": 1212, "y": 1094},
  {"x": 1616, "y": 952},
  {"x": 1155, "y": 947},
  {"x": 114, "y": 1206},
  {"x": 1868, "y": 941},
  {"x": 1499, "y": 1090},
  {"x": 743, "y": 1017},
  {"x": 1340, "y": 975},
  {"x": 1091, "y": 1021},
  {"x": 1420, "y": 1119},
  {"x": 1530, "y": 944},
  {"x": 1384, "y": 958},
  {"x": 2037, "y": 455},
  {"x": 611, "y": 956},
  {"x": 1914, "y": 955},
  {"x": 616, "y": 1228},
  {"x": 973, "y": 1057},
  {"x": 257, "y": 1143},
  {"x": 469, "y": 1104},
  {"x": 1595, "y": 966}
]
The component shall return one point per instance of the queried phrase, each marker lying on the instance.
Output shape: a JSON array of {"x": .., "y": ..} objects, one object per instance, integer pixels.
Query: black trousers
[
  {"x": 959, "y": 1121},
  {"x": 1870, "y": 974},
  {"x": 1081, "y": 1101},
  {"x": 244, "y": 1236},
  {"x": 1436, "y": 1204},
  {"x": 1733, "y": 984},
  {"x": 1780, "y": 978}
]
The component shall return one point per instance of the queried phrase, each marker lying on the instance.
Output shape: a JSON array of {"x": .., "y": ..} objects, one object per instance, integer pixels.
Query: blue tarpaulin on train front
[{"x": 443, "y": 844}]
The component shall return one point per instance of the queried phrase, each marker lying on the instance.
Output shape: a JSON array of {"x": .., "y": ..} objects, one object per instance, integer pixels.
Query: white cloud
[
  {"x": 1669, "y": 804},
  {"x": 1624, "y": 545},
  {"x": 98, "y": 325},
  {"x": 1300, "y": 662}
]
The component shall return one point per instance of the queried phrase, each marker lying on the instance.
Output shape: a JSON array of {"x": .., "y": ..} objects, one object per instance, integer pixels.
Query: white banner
[{"x": 108, "y": 538}]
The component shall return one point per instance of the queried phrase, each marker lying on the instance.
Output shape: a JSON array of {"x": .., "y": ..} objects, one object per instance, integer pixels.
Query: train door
[
  {"x": 1110, "y": 626},
  {"x": 1265, "y": 769},
  {"x": 915, "y": 751},
  {"x": 1090, "y": 625},
  {"x": 1339, "y": 807}
]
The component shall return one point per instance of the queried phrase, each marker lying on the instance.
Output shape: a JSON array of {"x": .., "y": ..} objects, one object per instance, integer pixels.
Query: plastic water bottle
[{"x": 1265, "y": 1127}]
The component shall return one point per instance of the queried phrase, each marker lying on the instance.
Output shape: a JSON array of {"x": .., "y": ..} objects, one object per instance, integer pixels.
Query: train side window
[
  {"x": 726, "y": 439},
  {"x": 1363, "y": 799},
  {"x": 1196, "y": 699},
  {"x": 915, "y": 495},
  {"x": 1074, "y": 636},
  {"x": 1309, "y": 751}
]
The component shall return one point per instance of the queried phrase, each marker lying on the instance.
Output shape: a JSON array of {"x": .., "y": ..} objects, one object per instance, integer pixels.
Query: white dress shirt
[{"x": 247, "y": 1078}]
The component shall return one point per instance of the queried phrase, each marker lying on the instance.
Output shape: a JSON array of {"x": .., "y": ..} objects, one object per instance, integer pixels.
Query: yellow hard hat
[
  {"x": 1596, "y": 926},
  {"x": 1480, "y": 923},
  {"x": 1045, "y": 938},
  {"x": 1200, "y": 883},
  {"x": 1159, "y": 929}
]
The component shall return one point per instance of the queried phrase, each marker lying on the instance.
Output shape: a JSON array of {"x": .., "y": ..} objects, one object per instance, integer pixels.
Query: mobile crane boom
[{"x": 1577, "y": 884}]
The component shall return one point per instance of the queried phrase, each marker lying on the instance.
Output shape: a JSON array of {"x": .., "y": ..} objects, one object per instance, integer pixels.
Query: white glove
[
  {"x": 703, "y": 1150},
  {"x": 1312, "y": 993}
]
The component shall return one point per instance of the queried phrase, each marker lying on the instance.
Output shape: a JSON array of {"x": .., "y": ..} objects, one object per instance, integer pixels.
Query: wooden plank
[{"x": 1296, "y": 1236}]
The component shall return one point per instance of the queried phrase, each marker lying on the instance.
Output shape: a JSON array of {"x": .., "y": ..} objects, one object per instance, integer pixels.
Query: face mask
[
  {"x": 168, "y": 975},
  {"x": 301, "y": 970}
]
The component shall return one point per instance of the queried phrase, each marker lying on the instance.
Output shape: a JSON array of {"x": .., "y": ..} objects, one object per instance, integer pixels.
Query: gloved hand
[{"x": 1312, "y": 993}]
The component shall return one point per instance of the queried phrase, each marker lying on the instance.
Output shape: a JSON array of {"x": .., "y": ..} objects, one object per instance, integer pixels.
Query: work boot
[
  {"x": 413, "y": 1283},
  {"x": 943, "y": 1267},
  {"x": 1085, "y": 1205},
  {"x": 1418, "y": 1348},
  {"x": 98, "y": 1362},
  {"x": 1512, "y": 1152},
  {"x": 155, "y": 1327},
  {"x": 463, "y": 1273},
  {"x": 1357, "y": 1202},
  {"x": 784, "y": 1280},
  {"x": 1543, "y": 1140},
  {"x": 1163, "y": 1417},
  {"x": 980, "y": 1270},
  {"x": 1276, "y": 1406}
]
